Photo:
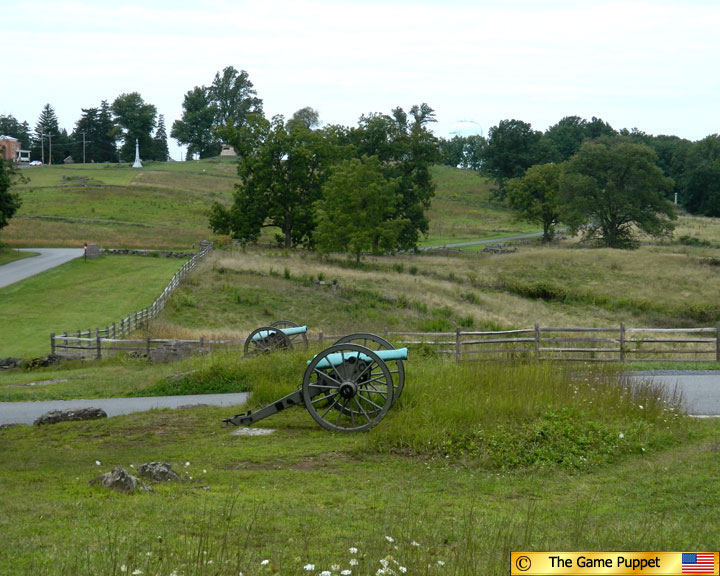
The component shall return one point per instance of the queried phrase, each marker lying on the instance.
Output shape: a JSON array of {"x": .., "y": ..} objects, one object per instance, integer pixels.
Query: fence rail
[{"x": 611, "y": 344}]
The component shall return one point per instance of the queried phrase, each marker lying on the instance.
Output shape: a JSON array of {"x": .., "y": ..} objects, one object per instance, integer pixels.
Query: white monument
[{"x": 137, "y": 164}]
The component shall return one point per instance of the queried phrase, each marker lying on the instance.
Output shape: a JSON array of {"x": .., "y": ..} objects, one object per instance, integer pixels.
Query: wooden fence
[
  {"x": 88, "y": 343},
  {"x": 612, "y": 344}
]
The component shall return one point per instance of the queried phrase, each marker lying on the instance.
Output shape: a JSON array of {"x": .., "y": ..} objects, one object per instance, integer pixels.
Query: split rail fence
[
  {"x": 611, "y": 344},
  {"x": 89, "y": 343}
]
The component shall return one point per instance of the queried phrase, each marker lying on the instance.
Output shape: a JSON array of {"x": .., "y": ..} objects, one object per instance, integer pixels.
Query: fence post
[
  {"x": 622, "y": 342},
  {"x": 717, "y": 343},
  {"x": 457, "y": 345},
  {"x": 52, "y": 343},
  {"x": 320, "y": 337},
  {"x": 537, "y": 341},
  {"x": 99, "y": 346}
]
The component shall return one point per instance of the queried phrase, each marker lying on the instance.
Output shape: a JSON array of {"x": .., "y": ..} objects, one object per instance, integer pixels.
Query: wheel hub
[{"x": 348, "y": 389}]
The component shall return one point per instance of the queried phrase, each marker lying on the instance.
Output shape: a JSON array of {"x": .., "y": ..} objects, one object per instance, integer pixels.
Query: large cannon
[
  {"x": 282, "y": 335},
  {"x": 347, "y": 387}
]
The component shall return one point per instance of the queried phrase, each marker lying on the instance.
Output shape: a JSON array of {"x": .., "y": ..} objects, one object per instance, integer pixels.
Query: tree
[
  {"x": 307, "y": 116},
  {"x": 463, "y": 151},
  {"x": 535, "y": 196},
  {"x": 407, "y": 150},
  {"x": 9, "y": 201},
  {"x": 137, "y": 120},
  {"x": 512, "y": 147},
  {"x": 612, "y": 186},
  {"x": 281, "y": 180},
  {"x": 233, "y": 97},
  {"x": 48, "y": 141},
  {"x": 195, "y": 128},
  {"x": 160, "y": 147},
  {"x": 566, "y": 136},
  {"x": 96, "y": 132},
  {"x": 700, "y": 185},
  {"x": 357, "y": 212}
]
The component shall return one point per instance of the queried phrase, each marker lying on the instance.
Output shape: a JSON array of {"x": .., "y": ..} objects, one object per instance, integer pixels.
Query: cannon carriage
[
  {"x": 281, "y": 335},
  {"x": 348, "y": 387}
]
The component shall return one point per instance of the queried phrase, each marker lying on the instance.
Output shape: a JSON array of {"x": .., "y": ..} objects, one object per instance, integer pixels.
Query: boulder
[
  {"x": 121, "y": 480},
  {"x": 158, "y": 472},
  {"x": 73, "y": 414}
]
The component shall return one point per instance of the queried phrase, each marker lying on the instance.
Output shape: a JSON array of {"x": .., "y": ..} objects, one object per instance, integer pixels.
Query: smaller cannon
[
  {"x": 346, "y": 387},
  {"x": 282, "y": 335}
]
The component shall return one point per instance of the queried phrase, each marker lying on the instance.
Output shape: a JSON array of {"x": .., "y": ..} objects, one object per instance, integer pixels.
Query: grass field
[
  {"x": 80, "y": 295},
  {"x": 467, "y": 467},
  {"x": 8, "y": 255},
  {"x": 476, "y": 460}
]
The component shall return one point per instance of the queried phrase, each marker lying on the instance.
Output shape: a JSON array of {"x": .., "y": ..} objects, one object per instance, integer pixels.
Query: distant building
[
  {"x": 227, "y": 150},
  {"x": 10, "y": 150}
]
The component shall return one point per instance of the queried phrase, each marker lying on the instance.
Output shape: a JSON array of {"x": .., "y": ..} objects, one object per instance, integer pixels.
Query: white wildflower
[
  {"x": 346, "y": 573},
  {"x": 187, "y": 464},
  {"x": 353, "y": 550},
  {"x": 640, "y": 406},
  {"x": 123, "y": 568},
  {"x": 97, "y": 462},
  {"x": 326, "y": 573},
  {"x": 413, "y": 543},
  {"x": 402, "y": 569},
  {"x": 137, "y": 572},
  {"x": 264, "y": 562},
  {"x": 309, "y": 567},
  {"x": 390, "y": 539},
  {"x": 441, "y": 563},
  {"x": 621, "y": 435},
  {"x": 353, "y": 562},
  {"x": 335, "y": 567}
]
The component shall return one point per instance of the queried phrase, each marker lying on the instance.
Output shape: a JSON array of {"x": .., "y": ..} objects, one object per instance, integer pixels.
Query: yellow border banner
[{"x": 613, "y": 563}]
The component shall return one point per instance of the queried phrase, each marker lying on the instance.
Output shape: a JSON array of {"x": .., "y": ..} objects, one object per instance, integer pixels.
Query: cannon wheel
[
  {"x": 374, "y": 342},
  {"x": 272, "y": 340},
  {"x": 296, "y": 339},
  {"x": 350, "y": 396}
]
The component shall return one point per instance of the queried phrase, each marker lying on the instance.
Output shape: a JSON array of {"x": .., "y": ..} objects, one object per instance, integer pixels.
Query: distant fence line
[
  {"x": 613, "y": 344},
  {"x": 77, "y": 340}
]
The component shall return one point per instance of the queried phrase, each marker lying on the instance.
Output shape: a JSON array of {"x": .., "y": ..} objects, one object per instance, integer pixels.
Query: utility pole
[
  {"x": 50, "y": 151},
  {"x": 83, "y": 147},
  {"x": 42, "y": 147}
]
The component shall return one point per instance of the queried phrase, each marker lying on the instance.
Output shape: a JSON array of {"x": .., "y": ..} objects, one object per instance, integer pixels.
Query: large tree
[
  {"x": 536, "y": 196},
  {"x": 195, "y": 128},
  {"x": 9, "y": 201},
  {"x": 160, "y": 148},
  {"x": 10, "y": 126},
  {"x": 233, "y": 97},
  {"x": 357, "y": 212},
  {"x": 612, "y": 187},
  {"x": 137, "y": 120},
  {"x": 50, "y": 143},
  {"x": 407, "y": 151},
  {"x": 281, "y": 179},
  {"x": 512, "y": 147}
]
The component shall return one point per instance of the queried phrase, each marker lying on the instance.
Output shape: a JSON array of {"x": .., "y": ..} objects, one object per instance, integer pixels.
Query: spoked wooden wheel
[
  {"x": 266, "y": 339},
  {"x": 299, "y": 341},
  {"x": 347, "y": 388},
  {"x": 374, "y": 342}
]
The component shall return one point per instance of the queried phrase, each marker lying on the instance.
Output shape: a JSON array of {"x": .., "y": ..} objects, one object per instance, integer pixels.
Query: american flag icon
[{"x": 698, "y": 563}]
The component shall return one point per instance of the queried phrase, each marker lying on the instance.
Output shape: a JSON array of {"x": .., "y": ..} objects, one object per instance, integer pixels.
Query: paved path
[
  {"x": 49, "y": 258},
  {"x": 27, "y": 412},
  {"x": 489, "y": 241},
  {"x": 699, "y": 390}
]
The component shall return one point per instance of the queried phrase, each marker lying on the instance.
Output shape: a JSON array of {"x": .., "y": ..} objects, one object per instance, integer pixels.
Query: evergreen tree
[
  {"x": 94, "y": 136},
  {"x": 161, "y": 151},
  {"x": 47, "y": 137}
]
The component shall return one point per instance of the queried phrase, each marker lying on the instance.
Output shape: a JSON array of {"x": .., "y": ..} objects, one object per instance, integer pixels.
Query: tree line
[
  {"x": 513, "y": 147},
  {"x": 106, "y": 133}
]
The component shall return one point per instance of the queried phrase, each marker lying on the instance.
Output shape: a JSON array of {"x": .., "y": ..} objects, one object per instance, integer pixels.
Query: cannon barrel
[
  {"x": 287, "y": 331},
  {"x": 338, "y": 358}
]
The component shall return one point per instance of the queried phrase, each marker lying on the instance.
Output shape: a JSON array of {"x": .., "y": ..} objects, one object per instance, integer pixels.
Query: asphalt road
[
  {"x": 697, "y": 390},
  {"x": 28, "y": 412},
  {"x": 48, "y": 258}
]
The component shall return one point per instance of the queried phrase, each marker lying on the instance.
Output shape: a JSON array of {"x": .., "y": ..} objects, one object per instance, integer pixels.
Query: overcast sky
[{"x": 649, "y": 65}]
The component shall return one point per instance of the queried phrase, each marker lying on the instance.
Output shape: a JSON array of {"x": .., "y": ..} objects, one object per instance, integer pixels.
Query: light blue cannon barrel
[
  {"x": 287, "y": 331},
  {"x": 337, "y": 358}
]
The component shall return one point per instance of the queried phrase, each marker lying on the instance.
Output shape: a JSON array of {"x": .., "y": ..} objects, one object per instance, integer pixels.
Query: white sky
[{"x": 646, "y": 64}]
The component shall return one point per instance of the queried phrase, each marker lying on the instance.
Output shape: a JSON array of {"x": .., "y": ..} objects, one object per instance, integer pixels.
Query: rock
[
  {"x": 7, "y": 363},
  {"x": 55, "y": 416},
  {"x": 158, "y": 472},
  {"x": 121, "y": 480}
]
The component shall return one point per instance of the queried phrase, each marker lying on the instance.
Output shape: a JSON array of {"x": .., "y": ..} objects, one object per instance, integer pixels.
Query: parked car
[{"x": 35, "y": 163}]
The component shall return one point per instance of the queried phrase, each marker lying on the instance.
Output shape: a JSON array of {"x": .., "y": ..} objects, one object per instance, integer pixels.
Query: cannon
[
  {"x": 347, "y": 387},
  {"x": 282, "y": 335}
]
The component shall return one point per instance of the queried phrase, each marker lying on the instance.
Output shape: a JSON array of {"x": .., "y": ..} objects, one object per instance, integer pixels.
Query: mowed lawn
[{"x": 80, "y": 295}]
